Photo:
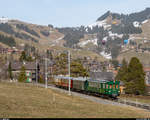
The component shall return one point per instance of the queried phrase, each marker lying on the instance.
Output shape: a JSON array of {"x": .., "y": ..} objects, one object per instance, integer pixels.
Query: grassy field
[
  {"x": 79, "y": 53},
  {"x": 28, "y": 101}
]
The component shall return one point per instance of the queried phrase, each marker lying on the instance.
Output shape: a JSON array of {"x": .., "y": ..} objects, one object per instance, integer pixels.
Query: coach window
[
  {"x": 107, "y": 86},
  {"x": 110, "y": 86}
]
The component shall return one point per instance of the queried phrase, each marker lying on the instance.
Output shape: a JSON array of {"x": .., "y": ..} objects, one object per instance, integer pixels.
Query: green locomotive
[{"x": 102, "y": 87}]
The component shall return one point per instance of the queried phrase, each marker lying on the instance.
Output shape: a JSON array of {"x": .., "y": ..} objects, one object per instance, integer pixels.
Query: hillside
[
  {"x": 41, "y": 37},
  {"x": 28, "y": 101},
  {"x": 103, "y": 38},
  {"x": 77, "y": 53},
  {"x": 143, "y": 40},
  {"x": 143, "y": 57},
  {"x": 145, "y": 35},
  {"x": 106, "y": 35}
]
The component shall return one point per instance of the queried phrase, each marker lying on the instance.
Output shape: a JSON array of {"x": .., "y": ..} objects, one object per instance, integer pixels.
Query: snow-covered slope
[
  {"x": 145, "y": 21},
  {"x": 105, "y": 55},
  {"x": 83, "y": 43},
  {"x": 100, "y": 24}
]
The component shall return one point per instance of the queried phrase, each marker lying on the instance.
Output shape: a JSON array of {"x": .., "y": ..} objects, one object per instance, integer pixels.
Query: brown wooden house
[{"x": 30, "y": 68}]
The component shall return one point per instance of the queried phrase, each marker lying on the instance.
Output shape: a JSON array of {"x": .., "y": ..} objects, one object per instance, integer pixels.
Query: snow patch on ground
[
  {"x": 83, "y": 43},
  {"x": 145, "y": 21},
  {"x": 105, "y": 55},
  {"x": 112, "y": 35},
  {"x": 56, "y": 41},
  {"x": 136, "y": 24},
  {"x": 105, "y": 38},
  {"x": 99, "y": 24}
]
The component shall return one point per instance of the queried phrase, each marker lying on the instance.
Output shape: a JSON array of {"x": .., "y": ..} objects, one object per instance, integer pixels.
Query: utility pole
[
  {"x": 69, "y": 69},
  {"x": 45, "y": 73},
  {"x": 36, "y": 72}
]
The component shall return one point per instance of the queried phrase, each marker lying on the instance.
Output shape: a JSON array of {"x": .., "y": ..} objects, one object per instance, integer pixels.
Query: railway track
[
  {"x": 97, "y": 99},
  {"x": 135, "y": 104}
]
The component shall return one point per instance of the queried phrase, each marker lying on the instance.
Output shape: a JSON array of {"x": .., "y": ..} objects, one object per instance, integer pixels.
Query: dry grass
[
  {"x": 27, "y": 101},
  {"x": 79, "y": 53}
]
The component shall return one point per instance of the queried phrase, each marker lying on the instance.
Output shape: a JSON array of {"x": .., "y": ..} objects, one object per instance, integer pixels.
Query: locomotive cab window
[{"x": 114, "y": 86}]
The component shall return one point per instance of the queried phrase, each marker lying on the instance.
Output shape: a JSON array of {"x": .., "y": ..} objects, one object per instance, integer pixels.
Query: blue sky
[{"x": 66, "y": 13}]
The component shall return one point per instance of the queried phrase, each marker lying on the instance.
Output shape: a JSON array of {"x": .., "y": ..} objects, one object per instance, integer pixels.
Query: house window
[{"x": 148, "y": 78}]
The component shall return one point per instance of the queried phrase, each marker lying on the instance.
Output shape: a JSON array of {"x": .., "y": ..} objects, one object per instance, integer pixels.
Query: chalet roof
[
  {"x": 27, "y": 65},
  {"x": 102, "y": 75},
  {"x": 146, "y": 65},
  {"x": 98, "y": 81}
]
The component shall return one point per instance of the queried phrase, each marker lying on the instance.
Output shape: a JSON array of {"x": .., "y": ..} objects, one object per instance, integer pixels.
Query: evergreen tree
[
  {"x": 49, "y": 54},
  {"x": 77, "y": 70},
  {"x": 115, "y": 63},
  {"x": 76, "y": 67},
  {"x": 23, "y": 56},
  {"x": 22, "y": 76},
  {"x": 135, "y": 82},
  {"x": 133, "y": 76},
  {"x": 61, "y": 64},
  {"x": 29, "y": 59},
  {"x": 123, "y": 71},
  {"x": 10, "y": 71}
]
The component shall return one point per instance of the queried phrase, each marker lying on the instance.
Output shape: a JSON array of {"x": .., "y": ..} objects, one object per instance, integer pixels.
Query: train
[{"x": 107, "y": 88}]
